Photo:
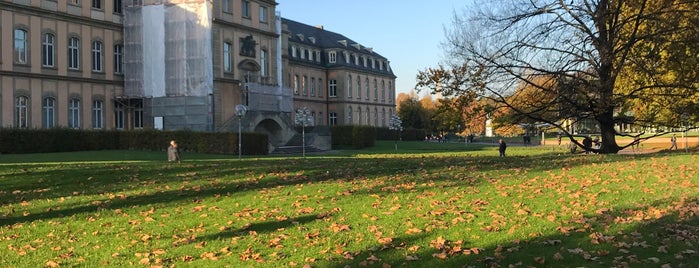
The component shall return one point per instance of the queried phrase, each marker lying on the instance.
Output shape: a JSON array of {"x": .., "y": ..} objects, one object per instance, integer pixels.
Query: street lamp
[
  {"x": 240, "y": 111},
  {"x": 303, "y": 117},
  {"x": 395, "y": 124}
]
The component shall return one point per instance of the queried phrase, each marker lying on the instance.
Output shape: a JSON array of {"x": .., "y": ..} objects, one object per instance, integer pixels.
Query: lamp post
[
  {"x": 303, "y": 117},
  {"x": 395, "y": 124},
  {"x": 240, "y": 111}
]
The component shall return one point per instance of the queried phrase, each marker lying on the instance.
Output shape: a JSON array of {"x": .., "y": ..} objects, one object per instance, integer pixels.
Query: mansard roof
[{"x": 324, "y": 40}]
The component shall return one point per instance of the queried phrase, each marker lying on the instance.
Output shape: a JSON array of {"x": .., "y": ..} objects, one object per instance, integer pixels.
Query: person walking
[
  {"x": 173, "y": 152},
  {"x": 502, "y": 147},
  {"x": 673, "y": 141}
]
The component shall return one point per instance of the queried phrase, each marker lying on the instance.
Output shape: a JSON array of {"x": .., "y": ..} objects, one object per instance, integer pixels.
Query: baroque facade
[{"x": 175, "y": 64}]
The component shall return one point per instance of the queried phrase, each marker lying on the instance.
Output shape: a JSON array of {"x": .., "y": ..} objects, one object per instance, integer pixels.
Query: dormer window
[
  {"x": 312, "y": 39},
  {"x": 300, "y": 36},
  {"x": 356, "y": 59},
  {"x": 293, "y": 52},
  {"x": 310, "y": 55},
  {"x": 332, "y": 57},
  {"x": 347, "y": 57},
  {"x": 364, "y": 61},
  {"x": 357, "y": 46},
  {"x": 373, "y": 63},
  {"x": 303, "y": 53},
  {"x": 343, "y": 42}
]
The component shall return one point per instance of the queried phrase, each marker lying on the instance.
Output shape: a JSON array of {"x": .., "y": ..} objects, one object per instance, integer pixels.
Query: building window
[
  {"x": 22, "y": 112},
  {"x": 226, "y": 6},
  {"x": 349, "y": 115},
  {"x": 359, "y": 88},
  {"x": 96, "y": 56},
  {"x": 117, "y": 6},
  {"x": 310, "y": 55},
  {"x": 383, "y": 91},
  {"x": 313, "y": 86},
  {"x": 367, "y": 116},
  {"x": 302, "y": 51},
  {"x": 97, "y": 4},
  {"x": 383, "y": 117},
  {"x": 138, "y": 115},
  {"x": 97, "y": 114},
  {"x": 376, "y": 90},
  {"x": 73, "y": 53},
  {"x": 296, "y": 84},
  {"x": 264, "y": 64},
  {"x": 359, "y": 116},
  {"x": 366, "y": 82},
  {"x": 21, "y": 46},
  {"x": 263, "y": 14},
  {"x": 376, "y": 117},
  {"x": 48, "y": 113},
  {"x": 48, "y": 54},
  {"x": 332, "y": 118},
  {"x": 74, "y": 113},
  {"x": 227, "y": 57},
  {"x": 317, "y": 56},
  {"x": 293, "y": 51},
  {"x": 245, "y": 9},
  {"x": 304, "y": 85},
  {"x": 320, "y": 87},
  {"x": 349, "y": 86},
  {"x": 119, "y": 59},
  {"x": 390, "y": 92},
  {"x": 332, "y": 57},
  {"x": 332, "y": 88},
  {"x": 118, "y": 115}
]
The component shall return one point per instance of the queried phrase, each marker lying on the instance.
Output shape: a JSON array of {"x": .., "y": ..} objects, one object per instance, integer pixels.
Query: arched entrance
[{"x": 273, "y": 131}]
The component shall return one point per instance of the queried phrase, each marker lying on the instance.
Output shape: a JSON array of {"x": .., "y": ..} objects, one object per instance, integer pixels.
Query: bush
[{"x": 17, "y": 141}]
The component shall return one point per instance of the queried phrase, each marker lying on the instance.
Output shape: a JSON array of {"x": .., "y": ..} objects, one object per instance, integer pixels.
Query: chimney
[{"x": 319, "y": 27}]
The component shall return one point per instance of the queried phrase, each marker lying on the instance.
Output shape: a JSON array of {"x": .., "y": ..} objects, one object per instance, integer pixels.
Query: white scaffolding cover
[{"x": 168, "y": 48}]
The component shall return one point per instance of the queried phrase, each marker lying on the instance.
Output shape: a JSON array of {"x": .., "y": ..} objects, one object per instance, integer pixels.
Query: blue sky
[{"x": 407, "y": 32}]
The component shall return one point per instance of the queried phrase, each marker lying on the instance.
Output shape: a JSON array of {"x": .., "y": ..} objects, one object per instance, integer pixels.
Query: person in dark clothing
[
  {"x": 173, "y": 152},
  {"x": 502, "y": 148},
  {"x": 587, "y": 143}
]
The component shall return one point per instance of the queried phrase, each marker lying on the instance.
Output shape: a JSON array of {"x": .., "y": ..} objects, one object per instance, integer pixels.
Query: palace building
[{"x": 176, "y": 64}]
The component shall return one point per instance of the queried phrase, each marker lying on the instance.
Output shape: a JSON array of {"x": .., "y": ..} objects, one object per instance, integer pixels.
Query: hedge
[{"x": 16, "y": 141}]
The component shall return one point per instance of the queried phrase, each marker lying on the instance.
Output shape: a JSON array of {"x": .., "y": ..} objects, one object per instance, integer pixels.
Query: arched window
[
  {"x": 349, "y": 86},
  {"x": 48, "y": 53},
  {"x": 376, "y": 90},
  {"x": 359, "y": 87},
  {"x": 48, "y": 112},
  {"x": 376, "y": 117},
  {"x": 366, "y": 84},
  {"x": 97, "y": 114},
  {"x": 118, "y": 59},
  {"x": 367, "y": 116},
  {"x": 359, "y": 115},
  {"x": 74, "y": 113},
  {"x": 22, "y": 112},
  {"x": 74, "y": 53},
  {"x": 349, "y": 115},
  {"x": 21, "y": 45},
  {"x": 97, "y": 56}
]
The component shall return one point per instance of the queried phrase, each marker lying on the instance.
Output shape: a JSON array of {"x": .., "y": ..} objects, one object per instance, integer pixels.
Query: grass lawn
[{"x": 423, "y": 205}]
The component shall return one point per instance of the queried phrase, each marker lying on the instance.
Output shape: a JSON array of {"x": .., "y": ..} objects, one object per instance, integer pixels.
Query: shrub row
[
  {"x": 358, "y": 137},
  {"x": 17, "y": 141}
]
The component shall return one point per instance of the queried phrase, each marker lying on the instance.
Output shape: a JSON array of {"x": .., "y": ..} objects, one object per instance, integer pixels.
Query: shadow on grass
[
  {"x": 209, "y": 178},
  {"x": 659, "y": 241}
]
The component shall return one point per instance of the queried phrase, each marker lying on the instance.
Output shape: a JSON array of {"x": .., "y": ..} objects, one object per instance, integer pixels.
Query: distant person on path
[
  {"x": 559, "y": 138},
  {"x": 502, "y": 148},
  {"x": 673, "y": 140},
  {"x": 173, "y": 152}
]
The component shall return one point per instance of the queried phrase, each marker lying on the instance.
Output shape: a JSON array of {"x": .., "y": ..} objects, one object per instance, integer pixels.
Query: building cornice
[
  {"x": 63, "y": 78},
  {"x": 246, "y": 28},
  {"x": 40, "y": 12}
]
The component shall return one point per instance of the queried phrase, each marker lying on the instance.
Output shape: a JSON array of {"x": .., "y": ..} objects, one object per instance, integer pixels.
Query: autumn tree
[
  {"x": 595, "y": 52},
  {"x": 413, "y": 114}
]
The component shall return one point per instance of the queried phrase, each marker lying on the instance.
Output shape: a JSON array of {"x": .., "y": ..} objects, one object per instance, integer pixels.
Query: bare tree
[{"x": 589, "y": 50}]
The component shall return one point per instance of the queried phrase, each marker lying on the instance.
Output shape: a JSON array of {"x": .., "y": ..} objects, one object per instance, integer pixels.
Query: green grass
[{"x": 423, "y": 205}]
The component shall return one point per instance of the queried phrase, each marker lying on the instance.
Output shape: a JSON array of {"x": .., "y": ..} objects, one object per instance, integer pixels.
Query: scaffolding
[{"x": 168, "y": 45}]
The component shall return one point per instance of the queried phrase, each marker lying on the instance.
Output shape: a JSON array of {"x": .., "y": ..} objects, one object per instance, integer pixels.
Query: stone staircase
[{"x": 295, "y": 146}]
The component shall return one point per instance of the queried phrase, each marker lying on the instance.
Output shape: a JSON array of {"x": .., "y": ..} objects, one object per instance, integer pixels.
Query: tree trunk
[{"x": 606, "y": 124}]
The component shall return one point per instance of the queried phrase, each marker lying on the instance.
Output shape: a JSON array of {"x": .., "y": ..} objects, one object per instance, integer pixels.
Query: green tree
[
  {"x": 594, "y": 51},
  {"x": 413, "y": 115}
]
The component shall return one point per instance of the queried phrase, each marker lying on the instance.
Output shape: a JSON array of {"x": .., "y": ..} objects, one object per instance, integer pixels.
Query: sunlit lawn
[{"x": 423, "y": 205}]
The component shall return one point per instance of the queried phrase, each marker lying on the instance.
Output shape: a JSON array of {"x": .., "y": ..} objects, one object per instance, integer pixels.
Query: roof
[{"x": 318, "y": 37}]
